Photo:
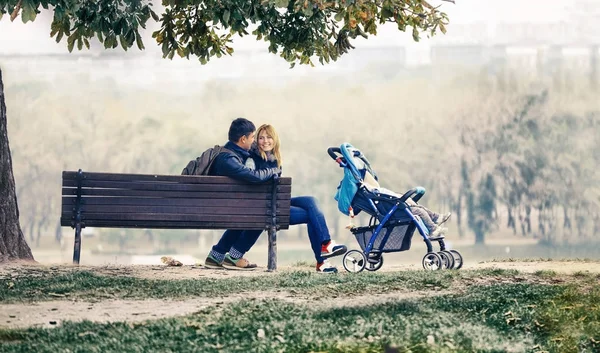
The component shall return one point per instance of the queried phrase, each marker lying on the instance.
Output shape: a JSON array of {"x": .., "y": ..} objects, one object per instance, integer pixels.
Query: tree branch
[{"x": 15, "y": 12}]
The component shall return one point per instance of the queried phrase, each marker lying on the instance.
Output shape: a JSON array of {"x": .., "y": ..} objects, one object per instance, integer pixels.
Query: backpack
[{"x": 202, "y": 164}]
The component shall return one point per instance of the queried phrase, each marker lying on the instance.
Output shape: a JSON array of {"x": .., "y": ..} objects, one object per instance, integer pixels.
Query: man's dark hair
[{"x": 240, "y": 127}]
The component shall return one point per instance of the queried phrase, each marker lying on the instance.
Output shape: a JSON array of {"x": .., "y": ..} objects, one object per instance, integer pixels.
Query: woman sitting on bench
[{"x": 265, "y": 154}]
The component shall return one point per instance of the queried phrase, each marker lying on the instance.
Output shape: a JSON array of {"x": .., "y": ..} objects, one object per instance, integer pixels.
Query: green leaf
[
  {"x": 130, "y": 38},
  {"x": 226, "y": 15},
  {"x": 386, "y": 13},
  {"x": 138, "y": 41},
  {"x": 339, "y": 16},
  {"x": 154, "y": 15},
  {"x": 86, "y": 42},
  {"x": 442, "y": 28},
  {"x": 28, "y": 12},
  {"x": 71, "y": 42},
  {"x": 79, "y": 43},
  {"x": 123, "y": 42},
  {"x": 165, "y": 49},
  {"x": 415, "y": 34}
]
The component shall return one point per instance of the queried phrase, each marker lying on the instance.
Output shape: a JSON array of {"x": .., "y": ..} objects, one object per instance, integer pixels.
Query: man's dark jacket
[{"x": 231, "y": 163}]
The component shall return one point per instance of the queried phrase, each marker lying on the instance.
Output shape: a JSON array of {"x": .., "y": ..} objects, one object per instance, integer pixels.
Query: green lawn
[{"x": 477, "y": 311}]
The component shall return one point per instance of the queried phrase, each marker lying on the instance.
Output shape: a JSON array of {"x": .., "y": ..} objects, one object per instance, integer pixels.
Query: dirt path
[
  {"x": 52, "y": 313},
  {"x": 193, "y": 272}
]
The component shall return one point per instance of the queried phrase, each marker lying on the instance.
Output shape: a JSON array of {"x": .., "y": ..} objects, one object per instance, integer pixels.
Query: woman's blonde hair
[{"x": 270, "y": 130}]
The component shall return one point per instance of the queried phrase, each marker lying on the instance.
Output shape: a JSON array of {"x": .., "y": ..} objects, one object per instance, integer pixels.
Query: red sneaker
[
  {"x": 331, "y": 249},
  {"x": 326, "y": 267}
]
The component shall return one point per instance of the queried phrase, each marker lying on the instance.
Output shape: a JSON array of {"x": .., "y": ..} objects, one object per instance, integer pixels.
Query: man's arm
[{"x": 230, "y": 166}]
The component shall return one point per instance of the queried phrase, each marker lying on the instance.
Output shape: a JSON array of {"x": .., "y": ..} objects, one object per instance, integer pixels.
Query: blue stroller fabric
[
  {"x": 346, "y": 191},
  {"x": 353, "y": 176}
]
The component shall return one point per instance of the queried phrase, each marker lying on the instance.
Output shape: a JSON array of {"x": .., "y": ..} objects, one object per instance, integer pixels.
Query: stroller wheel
[
  {"x": 432, "y": 261},
  {"x": 374, "y": 266},
  {"x": 458, "y": 259},
  {"x": 354, "y": 261},
  {"x": 447, "y": 259}
]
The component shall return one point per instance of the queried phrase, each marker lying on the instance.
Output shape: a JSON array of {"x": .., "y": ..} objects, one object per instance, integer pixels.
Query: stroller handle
[
  {"x": 334, "y": 152},
  {"x": 414, "y": 193}
]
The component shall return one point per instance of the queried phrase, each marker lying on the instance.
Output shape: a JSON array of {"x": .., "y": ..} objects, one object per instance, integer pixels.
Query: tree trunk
[
  {"x": 12, "y": 242},
  {"x": 458, "y": 210},
  {"x": 479, "y": 236},
  {"x": 511, "y": 220},
  {"x": 58, "y": 233}
]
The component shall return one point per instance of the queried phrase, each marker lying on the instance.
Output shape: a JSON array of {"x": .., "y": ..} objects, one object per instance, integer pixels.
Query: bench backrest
[{"x": 169, "y": 201}]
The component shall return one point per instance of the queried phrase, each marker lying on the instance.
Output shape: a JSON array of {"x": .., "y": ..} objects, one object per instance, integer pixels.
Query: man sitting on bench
[{"x": 231, "y": 163}]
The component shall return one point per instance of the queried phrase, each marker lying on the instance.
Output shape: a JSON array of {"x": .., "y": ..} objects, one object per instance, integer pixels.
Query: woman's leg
[
  {"x": 299, "y": 215},
  {"x": 317, "y": 229},
  {"x": 315, "y": 216}
]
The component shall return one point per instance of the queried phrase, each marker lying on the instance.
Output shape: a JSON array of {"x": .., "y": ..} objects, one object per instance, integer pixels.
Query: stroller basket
[{"x": 394, "y": 236}]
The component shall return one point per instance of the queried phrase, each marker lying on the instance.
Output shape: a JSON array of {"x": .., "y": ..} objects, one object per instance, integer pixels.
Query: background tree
[
  {"x": 296, "y": 30},
  {"x": 12, "y": 242}
]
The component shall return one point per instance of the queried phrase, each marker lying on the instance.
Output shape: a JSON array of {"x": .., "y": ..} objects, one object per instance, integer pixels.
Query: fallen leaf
[{"x": 169, "y": 261}]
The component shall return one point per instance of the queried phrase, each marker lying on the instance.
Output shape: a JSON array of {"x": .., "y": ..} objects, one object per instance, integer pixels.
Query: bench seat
[{"x": 111, "y": 200}]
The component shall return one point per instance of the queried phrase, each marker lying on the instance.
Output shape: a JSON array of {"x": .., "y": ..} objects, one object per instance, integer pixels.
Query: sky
[{"x": 33, "y": 38}]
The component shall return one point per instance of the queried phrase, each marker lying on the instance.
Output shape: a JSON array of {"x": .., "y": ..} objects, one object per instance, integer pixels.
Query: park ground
[{"x": 529, "y": 305}]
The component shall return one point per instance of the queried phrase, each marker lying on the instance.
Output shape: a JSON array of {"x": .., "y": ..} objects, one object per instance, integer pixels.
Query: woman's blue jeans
[{"x": 304, "y": 210}]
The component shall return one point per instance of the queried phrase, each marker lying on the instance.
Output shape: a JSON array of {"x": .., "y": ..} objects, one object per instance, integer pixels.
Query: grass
[
  {"x": 509, "y": 312},
  {"x": 83, "y": 284},
  {"x": 542, "y": 259},
  {"x": 496, "y": 318}
]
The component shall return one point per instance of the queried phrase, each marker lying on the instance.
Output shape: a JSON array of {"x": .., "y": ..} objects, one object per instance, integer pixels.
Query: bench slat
[
  {"x": 234, "y": 210},
  {"x": 176, "y": 194},
  {"x": 162, "y": 186},
  {"x": 187, "y": 179},
  {"x": 170, "y": 225},
  {"x": 155, "y": 201},
  {"x": 174, "y": 217}
]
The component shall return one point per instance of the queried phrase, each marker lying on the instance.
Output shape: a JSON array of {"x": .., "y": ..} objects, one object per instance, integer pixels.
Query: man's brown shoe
[{"x": 238, "y": 264}]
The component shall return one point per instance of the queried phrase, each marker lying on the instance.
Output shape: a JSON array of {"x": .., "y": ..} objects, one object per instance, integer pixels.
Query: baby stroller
[{"x": 391, "y": 225}]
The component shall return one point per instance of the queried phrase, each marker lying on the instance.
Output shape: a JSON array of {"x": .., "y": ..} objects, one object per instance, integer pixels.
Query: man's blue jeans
[{"x": 304, "y": 210}]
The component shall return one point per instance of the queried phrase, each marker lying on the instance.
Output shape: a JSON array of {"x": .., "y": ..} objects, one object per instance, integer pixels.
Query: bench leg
[
  {"x": 272, "y": 262},
  {"x": 77, "y": 246}
]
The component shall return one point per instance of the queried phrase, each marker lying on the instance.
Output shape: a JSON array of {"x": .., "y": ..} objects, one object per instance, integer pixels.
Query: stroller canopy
[{"x": 355, "y": 166}]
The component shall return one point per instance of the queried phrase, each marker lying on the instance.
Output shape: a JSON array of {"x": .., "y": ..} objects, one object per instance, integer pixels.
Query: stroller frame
[{"x": 372, "y": 254}]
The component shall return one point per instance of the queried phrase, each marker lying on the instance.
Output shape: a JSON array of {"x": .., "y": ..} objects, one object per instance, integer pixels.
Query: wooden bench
[{"x": 108, "y": 200}]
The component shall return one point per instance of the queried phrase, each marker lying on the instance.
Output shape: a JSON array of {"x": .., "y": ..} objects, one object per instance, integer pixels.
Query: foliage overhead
[{"x": 297, "y": 30}]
